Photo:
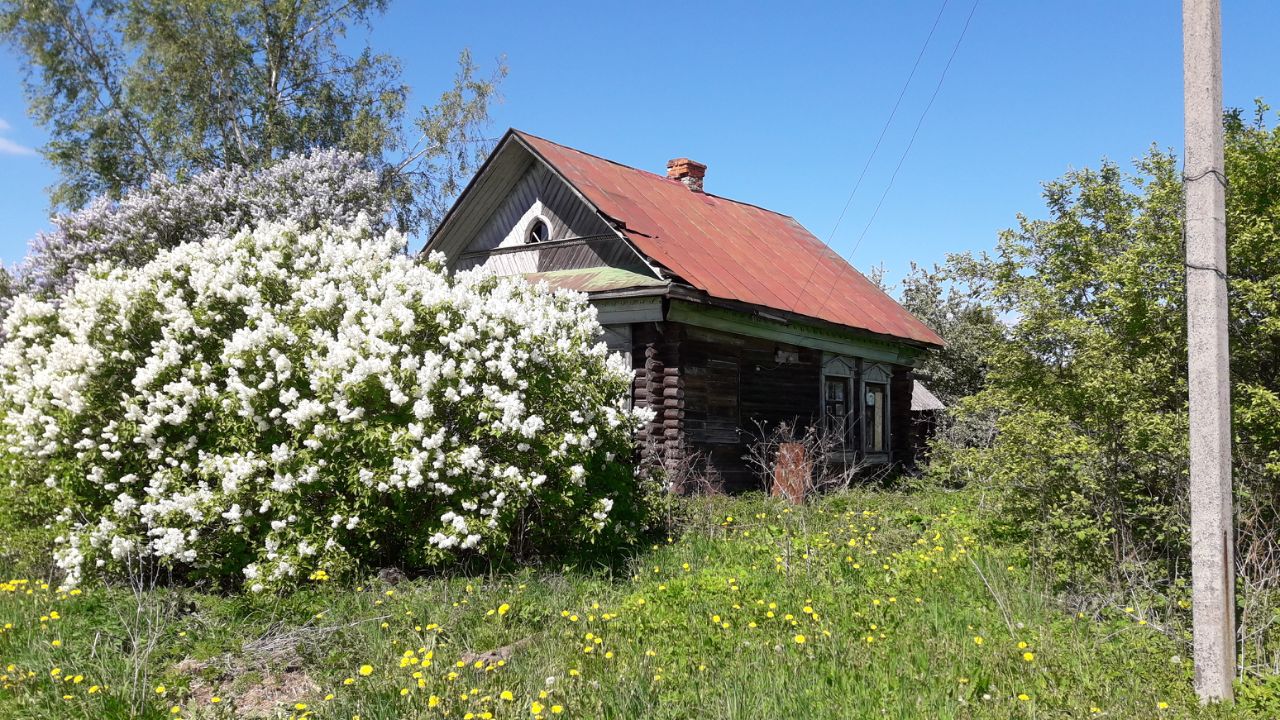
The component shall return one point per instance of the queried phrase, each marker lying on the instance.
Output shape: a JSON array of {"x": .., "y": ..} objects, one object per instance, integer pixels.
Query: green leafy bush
[
  {"x": 1080, "y": 429},
  {"x": 286, "y": 403}
]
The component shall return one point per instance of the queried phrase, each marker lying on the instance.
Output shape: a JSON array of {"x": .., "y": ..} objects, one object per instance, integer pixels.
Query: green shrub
[{"x": 285, "y": 404}]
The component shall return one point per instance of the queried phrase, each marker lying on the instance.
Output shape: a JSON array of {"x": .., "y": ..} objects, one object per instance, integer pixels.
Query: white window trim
[
  {"x": 528, "y": 228},
  {"x": 876, "y": 374},
  {"x": 859, "y": 373}
]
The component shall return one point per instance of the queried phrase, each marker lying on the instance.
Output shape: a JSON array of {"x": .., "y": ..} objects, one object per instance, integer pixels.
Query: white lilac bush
[
  {"x": 285, "y": 403},
  {"x": 323, "y": 186}
]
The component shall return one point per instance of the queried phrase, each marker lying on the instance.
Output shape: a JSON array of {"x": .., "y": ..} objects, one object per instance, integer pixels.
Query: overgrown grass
[{"x": 866, "y": 604}]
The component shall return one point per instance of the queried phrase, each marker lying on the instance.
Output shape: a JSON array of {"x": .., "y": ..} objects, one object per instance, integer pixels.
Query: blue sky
[{"x": 784, "y": 101}]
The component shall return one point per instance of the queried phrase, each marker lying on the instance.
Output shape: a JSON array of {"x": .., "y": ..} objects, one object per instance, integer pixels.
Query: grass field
[{"x": 863, "y": 605}]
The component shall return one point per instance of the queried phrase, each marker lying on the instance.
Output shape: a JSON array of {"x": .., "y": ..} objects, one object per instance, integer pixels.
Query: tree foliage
[
  {"x": 957, "y": 312},
  {"x": 134, "y": 89},
  {"x": 1088, "y": 389},
  {"x": 318, "y": 188}
]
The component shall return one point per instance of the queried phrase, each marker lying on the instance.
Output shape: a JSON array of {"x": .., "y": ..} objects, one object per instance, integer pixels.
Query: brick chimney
[{"x": 688, "y": 172}]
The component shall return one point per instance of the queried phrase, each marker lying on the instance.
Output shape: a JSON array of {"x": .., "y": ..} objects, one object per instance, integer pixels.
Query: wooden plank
[
  {"x": 791, "y": 333},
  {"x": 538, "y": 194}
]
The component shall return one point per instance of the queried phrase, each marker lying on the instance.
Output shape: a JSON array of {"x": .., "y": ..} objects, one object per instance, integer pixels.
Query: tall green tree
[
  {"x": 1087, "y": 388},
  {"x": 940, "y": 298},
  {"x": 130, "y": 88}
]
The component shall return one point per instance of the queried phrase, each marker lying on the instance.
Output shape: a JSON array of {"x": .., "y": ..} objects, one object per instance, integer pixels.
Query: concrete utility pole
[{"x": 1212, "y": 541}]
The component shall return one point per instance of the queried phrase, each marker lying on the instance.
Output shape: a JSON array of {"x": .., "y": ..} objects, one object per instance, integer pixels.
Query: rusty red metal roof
[{"x": 731, "y": 250}]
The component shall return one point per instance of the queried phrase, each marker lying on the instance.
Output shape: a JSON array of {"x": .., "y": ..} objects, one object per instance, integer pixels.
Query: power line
[
  {"x": 910, "y": 142},
  {"x": 920, "y": 122},
  {"x": 883, "y": 130},
  {"x": 888, "y": 121}
]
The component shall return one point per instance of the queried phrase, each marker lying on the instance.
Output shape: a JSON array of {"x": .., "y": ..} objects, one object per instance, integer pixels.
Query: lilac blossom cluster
[
  {"x": 309, "y": 189},
  {"x": 289, "y": 400}
]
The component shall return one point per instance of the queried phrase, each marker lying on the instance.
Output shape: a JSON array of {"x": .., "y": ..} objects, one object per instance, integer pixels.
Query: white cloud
[{"x": 9, "y": 147}]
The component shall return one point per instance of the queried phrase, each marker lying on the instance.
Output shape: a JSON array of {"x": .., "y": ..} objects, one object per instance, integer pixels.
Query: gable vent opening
[{"x": 538, "y": 232}]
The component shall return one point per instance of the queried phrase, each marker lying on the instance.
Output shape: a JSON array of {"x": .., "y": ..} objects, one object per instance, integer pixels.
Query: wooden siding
[
  {"x": 903, "y": 436},
  {"x": 577, "y": 237},
  {"x": 725, "y": 385},
  {"x": 714, "y": 392},
  {"x": 488, "y": 190},
  {"x": 573, "y": 254},
  {"x": 538, "y": 194}
]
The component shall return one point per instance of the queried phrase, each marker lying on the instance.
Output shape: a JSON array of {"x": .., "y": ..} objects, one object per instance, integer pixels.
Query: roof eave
[
  {"x": 452, "y": 212},
  {"x": 692, "y": 294}
]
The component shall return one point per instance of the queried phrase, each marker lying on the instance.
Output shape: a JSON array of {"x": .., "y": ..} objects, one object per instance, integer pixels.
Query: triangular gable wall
[
  {"x": 539, "y": 194},
  {"x": 489, "y": 225}
]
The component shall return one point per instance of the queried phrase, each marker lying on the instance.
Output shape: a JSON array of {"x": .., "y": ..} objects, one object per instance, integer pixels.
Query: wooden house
[{"x": 733, "y": 316}]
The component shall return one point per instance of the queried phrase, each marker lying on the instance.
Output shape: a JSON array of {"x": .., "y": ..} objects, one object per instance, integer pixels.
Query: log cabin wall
[
  {"x": 713, "y": 393},
  {"x": 901, "y": 425},
  {"x": 724, "y": 384},
  {"x": 657, "y": 385}
]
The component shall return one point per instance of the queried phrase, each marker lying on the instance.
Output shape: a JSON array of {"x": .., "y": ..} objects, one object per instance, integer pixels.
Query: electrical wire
[
  {"x": 901, "y": 159},
  {"x": 883, "y": 130}
]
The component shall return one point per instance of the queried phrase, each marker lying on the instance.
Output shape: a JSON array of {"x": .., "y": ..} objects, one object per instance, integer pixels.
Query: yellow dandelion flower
[
  {"x": 366, "y": 670},
  {"x": 506, "y": 695},
  {"x": 799, "y": 639},
  {"x": 977, "y": 640}
]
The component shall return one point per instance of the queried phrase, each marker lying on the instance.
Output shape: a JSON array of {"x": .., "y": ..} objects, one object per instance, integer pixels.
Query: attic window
[{"x": 538, "y": 232}]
